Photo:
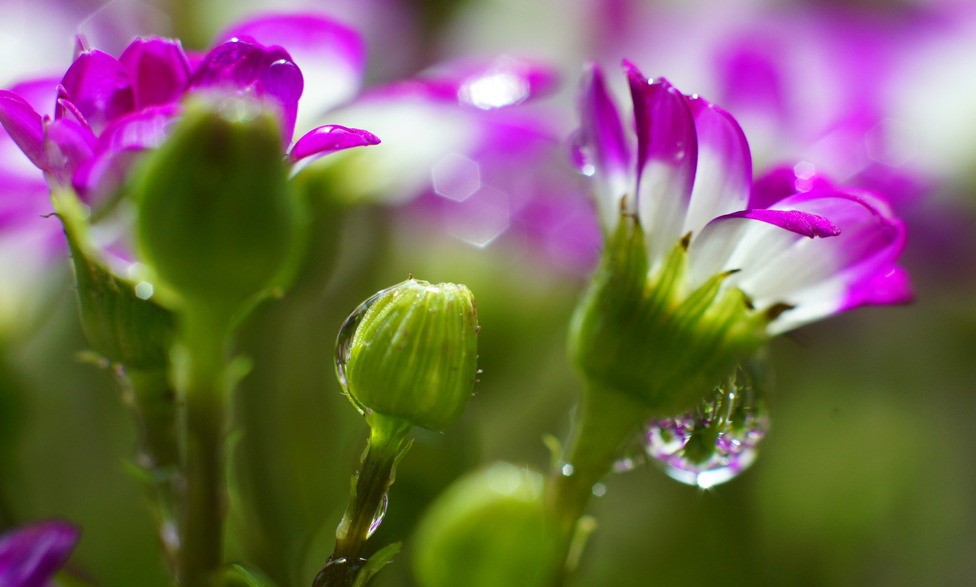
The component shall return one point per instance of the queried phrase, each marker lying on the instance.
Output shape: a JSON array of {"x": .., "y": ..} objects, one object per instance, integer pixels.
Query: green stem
[
  {"x": 153, "y": 402},
  {"x": 387, "y": 444},
  {"x": 203, "y": 394},
  {"x": 605, "y": 421}
]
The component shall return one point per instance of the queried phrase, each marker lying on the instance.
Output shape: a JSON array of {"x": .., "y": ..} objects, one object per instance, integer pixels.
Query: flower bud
[
  {"x": 488, "y": 529},
  {"x": 647, "y": 335},
  {"x": 411, "y": 352},
  {"x": 218, "y": 221}
]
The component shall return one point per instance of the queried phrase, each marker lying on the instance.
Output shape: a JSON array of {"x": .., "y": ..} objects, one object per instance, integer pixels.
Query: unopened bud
[
  {"x": 218, "y": 221},
  {"x": 488, "y": 529},
  {"x": 411, "y": 352}
]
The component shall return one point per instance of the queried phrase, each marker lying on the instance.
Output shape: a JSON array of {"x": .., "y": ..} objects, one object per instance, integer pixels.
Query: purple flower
[
  {"x": 31, "y": 555},
  {"x": 86, "y": 130},
  {"x": 684, "y": 172}
]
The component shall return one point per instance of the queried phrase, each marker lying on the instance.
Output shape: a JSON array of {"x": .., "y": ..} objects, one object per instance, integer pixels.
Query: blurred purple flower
[
  {"x": 31, "y": 555},
  {"x": 685, "y": 172},
  {"x": 471, "y": 145},
  {"x": 807, "y": 82}
]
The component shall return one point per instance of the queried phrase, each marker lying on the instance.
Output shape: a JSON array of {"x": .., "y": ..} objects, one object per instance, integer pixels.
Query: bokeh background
[{"x": 867, "y": 476}]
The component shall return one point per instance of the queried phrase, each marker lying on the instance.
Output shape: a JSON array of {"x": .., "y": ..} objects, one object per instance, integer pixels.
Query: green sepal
[
  {"x": 242, "y": 575},
  {"x": 410, "y": 352},
  {"x": 376, "y": 562},
  {"x": 217, "y": 219},
  {"x": 640, "y": 331},
  {"x": 121, "y": 326}
]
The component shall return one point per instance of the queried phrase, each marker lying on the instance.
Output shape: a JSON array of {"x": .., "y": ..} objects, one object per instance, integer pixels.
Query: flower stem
[
  {"x": 386, "y": 446},
  {"x": 202, "y": 390},
  {"x": 153, "y": 402},
  {"x": 605, "y": 421}
]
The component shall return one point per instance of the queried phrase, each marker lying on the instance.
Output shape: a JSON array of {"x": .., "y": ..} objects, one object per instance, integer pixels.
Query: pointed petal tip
[{"x": 330, "y": 138}]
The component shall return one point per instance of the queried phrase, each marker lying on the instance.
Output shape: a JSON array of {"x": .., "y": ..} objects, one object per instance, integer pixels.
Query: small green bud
[
  {"x": 411, "y": 352},
  {"x": 218, "y": 221},
  {"x": 647, "y": 336},
  {"x": 486, "y": 530}
]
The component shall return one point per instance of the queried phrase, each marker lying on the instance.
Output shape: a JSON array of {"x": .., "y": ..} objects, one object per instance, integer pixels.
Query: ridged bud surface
[{"x": 411, "y": 352}]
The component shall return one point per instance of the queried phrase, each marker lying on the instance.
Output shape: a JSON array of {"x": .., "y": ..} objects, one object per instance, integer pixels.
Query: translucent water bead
[{"x": 715, "y": 442}]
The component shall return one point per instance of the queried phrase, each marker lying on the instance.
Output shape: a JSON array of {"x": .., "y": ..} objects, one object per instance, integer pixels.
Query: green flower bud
[
  {"x": 486, "y": 530},
  {"x": 650, "y": 339},
  {"x": 218, "y": 222},
  {"x": 411, "y": 352}
]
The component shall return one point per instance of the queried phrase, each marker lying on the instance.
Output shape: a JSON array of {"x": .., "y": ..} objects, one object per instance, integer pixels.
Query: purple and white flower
[{"x": 683, "y": 169}]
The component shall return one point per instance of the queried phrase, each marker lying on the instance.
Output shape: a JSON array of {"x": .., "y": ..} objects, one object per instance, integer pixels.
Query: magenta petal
[
  {"x": 667, "y": 157},
  {"x": 40, "y": 93},
  {"x": 68, "y": 144},
  {"x": 601, "y": 133},
  {"x": 30, "y": 556},
  {"x": 24, "y": 126},
  {"x": 330, "y": 139},
  {"x": 601, "y": 147},
  {"x": 158, "y": 68},
  {"x": 115, "y": 148},
  {"x": 665, "y": 127},
  {"x": 331, "y": 56},
  {"x": 724, "y": 173},
  {"x": 242, "y": 65},
  {"x": 99, "y": 86},
  {"x": 802, "y": 223},
  {"x": 785, "y": 181}
]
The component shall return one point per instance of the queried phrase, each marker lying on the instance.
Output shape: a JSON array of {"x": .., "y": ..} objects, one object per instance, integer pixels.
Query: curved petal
[
  {"x": 602, "y": 149},
  {"x": 40, "y": 93},
  {"x": 99, "y": 86},
  {"x": 737, "y": 242},
  {"x": 667, "y": 156},
  {"x": 724, "y": 173},
  {"x": 330, "y": 138},
  {"x": 817, "y": 277},
  {"x": 68, "y": 144},
  {"x": 31, "y": 555},
  {"x": 331, "y": 56},
  {"x": 158, "y": 68},
  {"x": 103, "y": 172},
  {"x": 24, "y": 126},
  {"x": 784, "y": 181}
]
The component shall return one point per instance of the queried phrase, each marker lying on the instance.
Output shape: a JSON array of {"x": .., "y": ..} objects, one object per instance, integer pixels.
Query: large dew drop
[
  {"x": 715, "y": 442},
  {"x": 344, "y": 341}
]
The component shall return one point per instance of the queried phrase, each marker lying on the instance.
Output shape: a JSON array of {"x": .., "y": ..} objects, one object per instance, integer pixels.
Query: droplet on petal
[{"x": 715, "y": 442}]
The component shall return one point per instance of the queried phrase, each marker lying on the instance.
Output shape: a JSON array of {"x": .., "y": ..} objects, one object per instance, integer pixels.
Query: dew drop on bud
[
  {"x": 345, "y": 338},
  {"x": 378, "y": 516},
  {"x": 714, "y": 443}
]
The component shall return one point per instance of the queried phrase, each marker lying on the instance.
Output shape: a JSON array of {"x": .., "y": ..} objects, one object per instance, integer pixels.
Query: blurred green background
[{"x": 866, "y": 477}]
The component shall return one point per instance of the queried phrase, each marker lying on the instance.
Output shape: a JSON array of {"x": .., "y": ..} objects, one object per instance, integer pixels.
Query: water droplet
[
  {"x": 567, "y": 470},
  {"x": 344, "y": 341},
  {"x": 715, "y": 442},
  {"x": 378, "y": 516},
  {"x": 339, "y": 571},
  {"x": 599, "y": 490},
  {"x": 581, "y": 155}
]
